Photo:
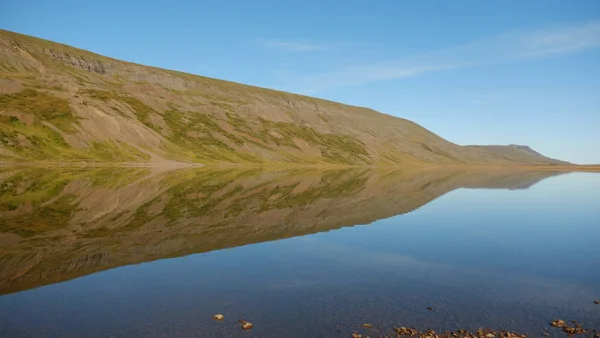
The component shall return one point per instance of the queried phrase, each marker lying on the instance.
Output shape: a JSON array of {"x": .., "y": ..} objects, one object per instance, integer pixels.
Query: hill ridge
[{"x": 60, "y": 103}]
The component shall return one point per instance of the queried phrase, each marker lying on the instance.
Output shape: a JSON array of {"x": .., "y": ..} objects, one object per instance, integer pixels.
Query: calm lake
[{"x": 140, "y": 252}]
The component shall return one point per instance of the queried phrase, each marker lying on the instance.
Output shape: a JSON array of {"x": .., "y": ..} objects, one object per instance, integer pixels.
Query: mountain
[
  {"x": 56, "y": 225},
  {"x": 60, "y": 103}
]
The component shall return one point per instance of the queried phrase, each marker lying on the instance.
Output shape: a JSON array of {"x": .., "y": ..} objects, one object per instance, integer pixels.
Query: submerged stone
[{"x": 246, "y": 325}]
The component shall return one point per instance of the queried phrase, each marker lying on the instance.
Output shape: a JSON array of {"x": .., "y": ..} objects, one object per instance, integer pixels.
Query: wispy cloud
[
  {"x": 294, "y": 46},
  {"x": 509, "y": 47},
  {"x": 564, "y": 40}
]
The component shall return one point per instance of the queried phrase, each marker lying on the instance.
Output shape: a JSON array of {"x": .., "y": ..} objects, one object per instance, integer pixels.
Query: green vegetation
[
  {"x": 193, "y": 194},
  {"x": 39, "y": 142},
  {"x": 102, "y": 95},
  {"x": 115, "y": 151},
  {"x": 140, "y": 217},
  {"x": 36, "y": 141},
  {"x": 116, "y": 177},
  {"x": 34, "y": 200},
  {"x": 334, "y": 184},
  {"x": 33, "y": 139},
  {"x": 34, "y": 186},
  {"x": 335, "y": 148},
  {"x": 197, "y": 132},
  {"x": 42, "y": 220},
  {"x": 198, "y": 135},
  {"x": 38, "y": 185},
  {"x": 33, "y": 189},
  {"x": 141, "y": 110},
  {"x": 42, "y": 106}
]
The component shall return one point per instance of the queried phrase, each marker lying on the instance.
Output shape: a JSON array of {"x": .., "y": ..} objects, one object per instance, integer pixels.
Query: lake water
[{"x": 299, "y": 253}]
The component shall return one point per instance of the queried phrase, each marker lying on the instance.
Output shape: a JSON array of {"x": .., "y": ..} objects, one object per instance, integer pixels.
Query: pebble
[
  {"x": 574, "y": 330},
  {"x": 356, "y": 335},
  {"x": 481, "y": 333},
  {"x": 218, "y": 317},
  {"x": 597, "y": 301},
  {"x": 406, "y": 331}
]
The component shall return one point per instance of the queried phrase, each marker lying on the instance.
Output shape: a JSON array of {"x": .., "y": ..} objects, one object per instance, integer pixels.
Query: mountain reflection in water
[{"x": 57, "y": 225}]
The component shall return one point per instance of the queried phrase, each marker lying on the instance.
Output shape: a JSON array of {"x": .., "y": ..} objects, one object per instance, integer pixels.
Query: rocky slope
[
  {"x": 59, "y": 103},
  {"x": 59, "y": 225}
]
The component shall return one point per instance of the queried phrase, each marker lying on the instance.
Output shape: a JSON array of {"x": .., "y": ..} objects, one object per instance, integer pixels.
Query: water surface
[{"x": 303, "y": 253}]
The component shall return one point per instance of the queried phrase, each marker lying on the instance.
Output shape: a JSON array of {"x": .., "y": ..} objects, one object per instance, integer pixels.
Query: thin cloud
[
  {"x": 565, "y": 40},
  {"x": 294, "y": 46},
  {"x": 510, "y": 47}
]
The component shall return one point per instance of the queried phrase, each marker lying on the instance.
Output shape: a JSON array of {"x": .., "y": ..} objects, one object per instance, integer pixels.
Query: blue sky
[{"x": 474, "y": 72}]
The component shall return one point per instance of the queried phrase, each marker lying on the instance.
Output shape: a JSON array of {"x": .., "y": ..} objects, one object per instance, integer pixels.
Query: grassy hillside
[{"x": 59, "y": 103}]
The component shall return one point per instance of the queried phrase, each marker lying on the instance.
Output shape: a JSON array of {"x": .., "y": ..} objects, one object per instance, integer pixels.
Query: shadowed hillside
[
  {"x": 59, "y": 225},
  {"x": 59, "y": 103}
]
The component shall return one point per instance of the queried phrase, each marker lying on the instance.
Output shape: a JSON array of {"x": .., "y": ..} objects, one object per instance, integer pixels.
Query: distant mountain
[
  {"x": 517, "y": 153},
  {"x": 60, "y": 103}
]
